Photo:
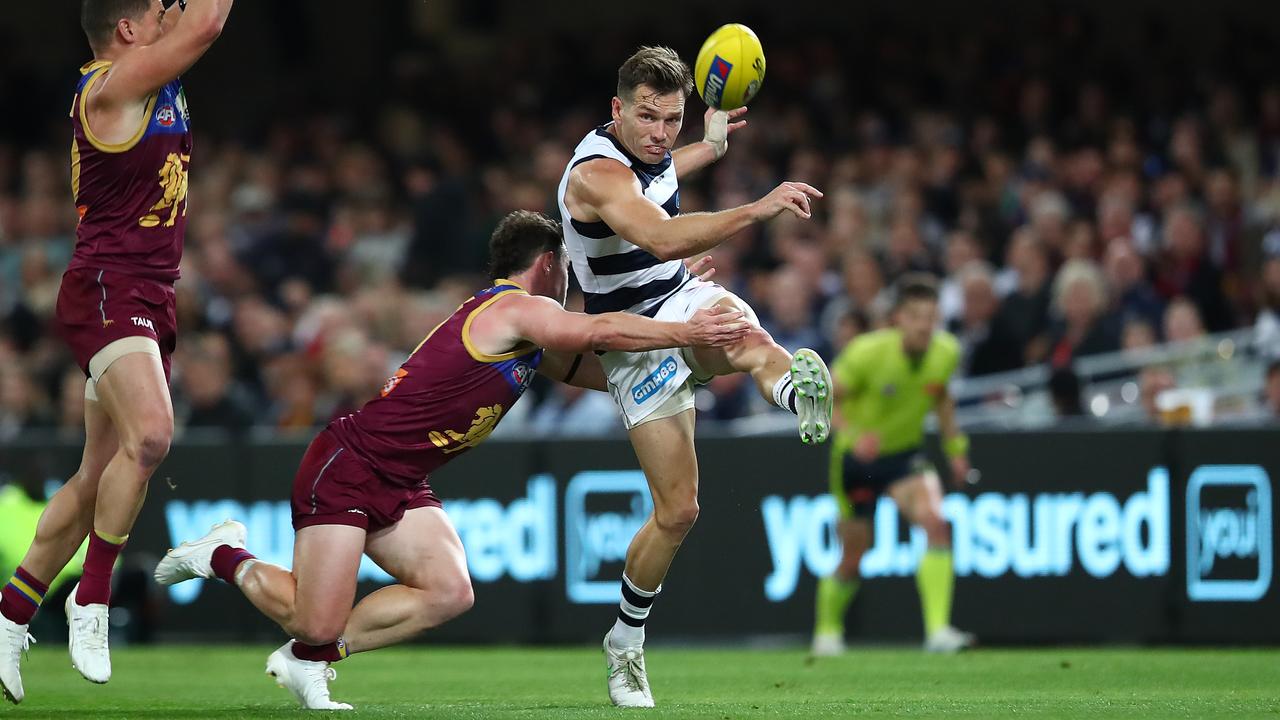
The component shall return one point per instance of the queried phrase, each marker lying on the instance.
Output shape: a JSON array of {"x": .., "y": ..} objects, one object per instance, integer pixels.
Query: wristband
[
  {"x": 956, "y": 446},
  {"x": 573, "y": 369}
]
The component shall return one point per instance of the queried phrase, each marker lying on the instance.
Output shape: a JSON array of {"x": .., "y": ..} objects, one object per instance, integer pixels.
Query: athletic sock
[
  {"x": 328, "y": 652},
  {"x": 834, "y": 596},
  {"x": 628, "y": 629},
  {"x": 935, "y": 578},
  {"x": 21, "y": 598},
  {"x": 95, "y": 583},
  {"x": 784, "y": 393},
  {"x": 226, "y": 560}
]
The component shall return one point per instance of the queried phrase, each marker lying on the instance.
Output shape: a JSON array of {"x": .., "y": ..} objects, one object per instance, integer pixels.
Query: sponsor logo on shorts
[
  {"x": 144, "y": 323},
  {"x": 166, "y": 116},
  {"x": 648, "y": 387},
  {"x": 1228, "y": 533},
  {"x": 717, "y": 76}
]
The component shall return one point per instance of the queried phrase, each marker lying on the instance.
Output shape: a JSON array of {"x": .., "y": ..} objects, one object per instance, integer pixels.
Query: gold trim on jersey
[
  {"x": 93, "y": 70},
  {"x": 520, "y": 349},
  {"x": 75, "y": 170}
]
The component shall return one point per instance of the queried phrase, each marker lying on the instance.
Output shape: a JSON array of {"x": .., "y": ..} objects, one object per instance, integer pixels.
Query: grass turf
[{"x": 443, "y": 682}]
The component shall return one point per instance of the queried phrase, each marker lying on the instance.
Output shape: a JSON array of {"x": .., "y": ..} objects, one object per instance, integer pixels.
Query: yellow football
[{"x": 730, "y": 67}]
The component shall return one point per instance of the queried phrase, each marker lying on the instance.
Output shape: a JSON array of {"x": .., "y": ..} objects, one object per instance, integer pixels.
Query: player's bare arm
[
  {"x": 116, "y": 104},
  {"x": 605, "y": 189},
  {"x": 542, "y": 321},
  {"x": 579, "y": 369},
  {"x": 718, "y": 125}
]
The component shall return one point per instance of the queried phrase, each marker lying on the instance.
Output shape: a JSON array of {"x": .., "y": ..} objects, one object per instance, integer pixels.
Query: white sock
[
  {"x": 784, "y": 393},
  {"x": 628, "y": 629}
]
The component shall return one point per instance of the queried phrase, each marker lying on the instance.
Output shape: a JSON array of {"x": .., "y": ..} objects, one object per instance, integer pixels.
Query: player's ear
[
  {"x": 617, "y": 109},
  {"x": 124, "y": 29}
]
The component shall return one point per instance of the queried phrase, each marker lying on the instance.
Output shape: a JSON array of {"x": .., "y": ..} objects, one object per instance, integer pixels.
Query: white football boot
[
  {"x": 14, "y": 642},
  {"x": 812, "y": 382},
  {"x": 628, "y": 681},
  {"x": 827, "y": 645},
  {"x": 87, "y": 638},
  {"x": 194, "y": 558},
  {"x": 947, "y": 640},
  {"x": 308, "y": 680}
]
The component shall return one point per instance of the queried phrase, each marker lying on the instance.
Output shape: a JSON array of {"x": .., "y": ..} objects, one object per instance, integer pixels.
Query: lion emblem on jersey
[{"x": 451, "y": 441}]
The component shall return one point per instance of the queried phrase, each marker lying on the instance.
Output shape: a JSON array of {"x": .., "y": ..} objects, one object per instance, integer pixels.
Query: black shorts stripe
[
  {"x": 625, "y": 298},
  {"x": 626, "y": 262}
]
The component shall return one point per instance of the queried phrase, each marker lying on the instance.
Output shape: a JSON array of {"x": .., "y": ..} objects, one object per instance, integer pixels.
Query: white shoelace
[
  {"x": 632, "y": 669},
  {"x": 91, "y": 631},
  {"x": 23, "y": 646},
  {"x": 318, "y": 683}
]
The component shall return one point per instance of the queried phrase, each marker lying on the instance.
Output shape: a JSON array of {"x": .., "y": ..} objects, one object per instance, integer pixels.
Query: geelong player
[
  {"x": 129, "y": 156},
  {"x": 620, "y": 204},
  {"x": 886, "y": 382},
  {"x": 362, "y": 486}
]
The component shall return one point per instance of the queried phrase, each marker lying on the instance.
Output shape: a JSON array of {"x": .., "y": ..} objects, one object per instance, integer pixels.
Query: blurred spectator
[
  {"x": 207, "y": 398},
  {"x": 1268, "y": 322},
  {"x": 1064, "y": 390},
  {"x": 1185, "y": 268},
  {"x": 571, "y": 411},
  {"x": 327, "y": 235},
  {"x": 1134, "y": 298},
  {"x": 788, "y": 313},
  {"x": 1024, "y": 312},
  {"x": 984, "y": 345},
  {"x": 1271, "y": 393},
  {"x": 22, "y": 404},
  {"x": 1182, "y": 321},
  {"x": 1080, "y": 301}
]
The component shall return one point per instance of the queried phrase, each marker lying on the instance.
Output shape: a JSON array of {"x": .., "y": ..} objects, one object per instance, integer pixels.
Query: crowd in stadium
[{"x": 1064, "y": 216}]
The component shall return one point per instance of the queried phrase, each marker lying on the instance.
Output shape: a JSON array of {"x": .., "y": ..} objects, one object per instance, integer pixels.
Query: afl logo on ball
[
  {"x": 166, "y": 116},
  {"x": 717, "y": 76}
]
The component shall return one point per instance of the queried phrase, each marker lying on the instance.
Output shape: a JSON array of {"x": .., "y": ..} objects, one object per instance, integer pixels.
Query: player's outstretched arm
[
  {"x": 717, "y": 124},
  {"x": 138, "y": 74},
  {"x": 581, "y": 369},
  {"x": 545, "y": 323},
  {"x": 609, "y": 190}
]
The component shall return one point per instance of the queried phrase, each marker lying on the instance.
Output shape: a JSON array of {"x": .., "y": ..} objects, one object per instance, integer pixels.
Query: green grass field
[{"x": 441, "y": 682}]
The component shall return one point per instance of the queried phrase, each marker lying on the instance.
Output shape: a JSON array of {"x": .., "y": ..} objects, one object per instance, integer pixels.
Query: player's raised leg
[
  {"x": 919, "y": 498},
  {"x": 134, "y": 393},
  {"x": 665, "y": 450},
  {"x": 799, "y": 383},
  {"x": 63, "y": 525}
]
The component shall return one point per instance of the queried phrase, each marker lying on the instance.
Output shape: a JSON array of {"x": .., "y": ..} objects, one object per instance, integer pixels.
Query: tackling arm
[{"x": 581, "y": 369}]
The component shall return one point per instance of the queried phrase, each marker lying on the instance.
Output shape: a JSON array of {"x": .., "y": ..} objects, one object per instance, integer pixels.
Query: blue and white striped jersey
[{"x": 614, "y": 274}]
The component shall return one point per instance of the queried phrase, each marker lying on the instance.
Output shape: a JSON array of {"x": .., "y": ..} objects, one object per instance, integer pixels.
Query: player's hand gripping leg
[{"x": 801, "y": 384}]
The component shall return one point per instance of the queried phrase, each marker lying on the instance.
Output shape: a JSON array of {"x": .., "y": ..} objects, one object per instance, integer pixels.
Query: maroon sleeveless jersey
[
  {"x": 443, "y": 401},
  {"x": 131, "y": 196}
]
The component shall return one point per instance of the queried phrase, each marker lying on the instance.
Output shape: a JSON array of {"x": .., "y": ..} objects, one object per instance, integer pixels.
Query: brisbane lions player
[{"x": 362, "y": 487}]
